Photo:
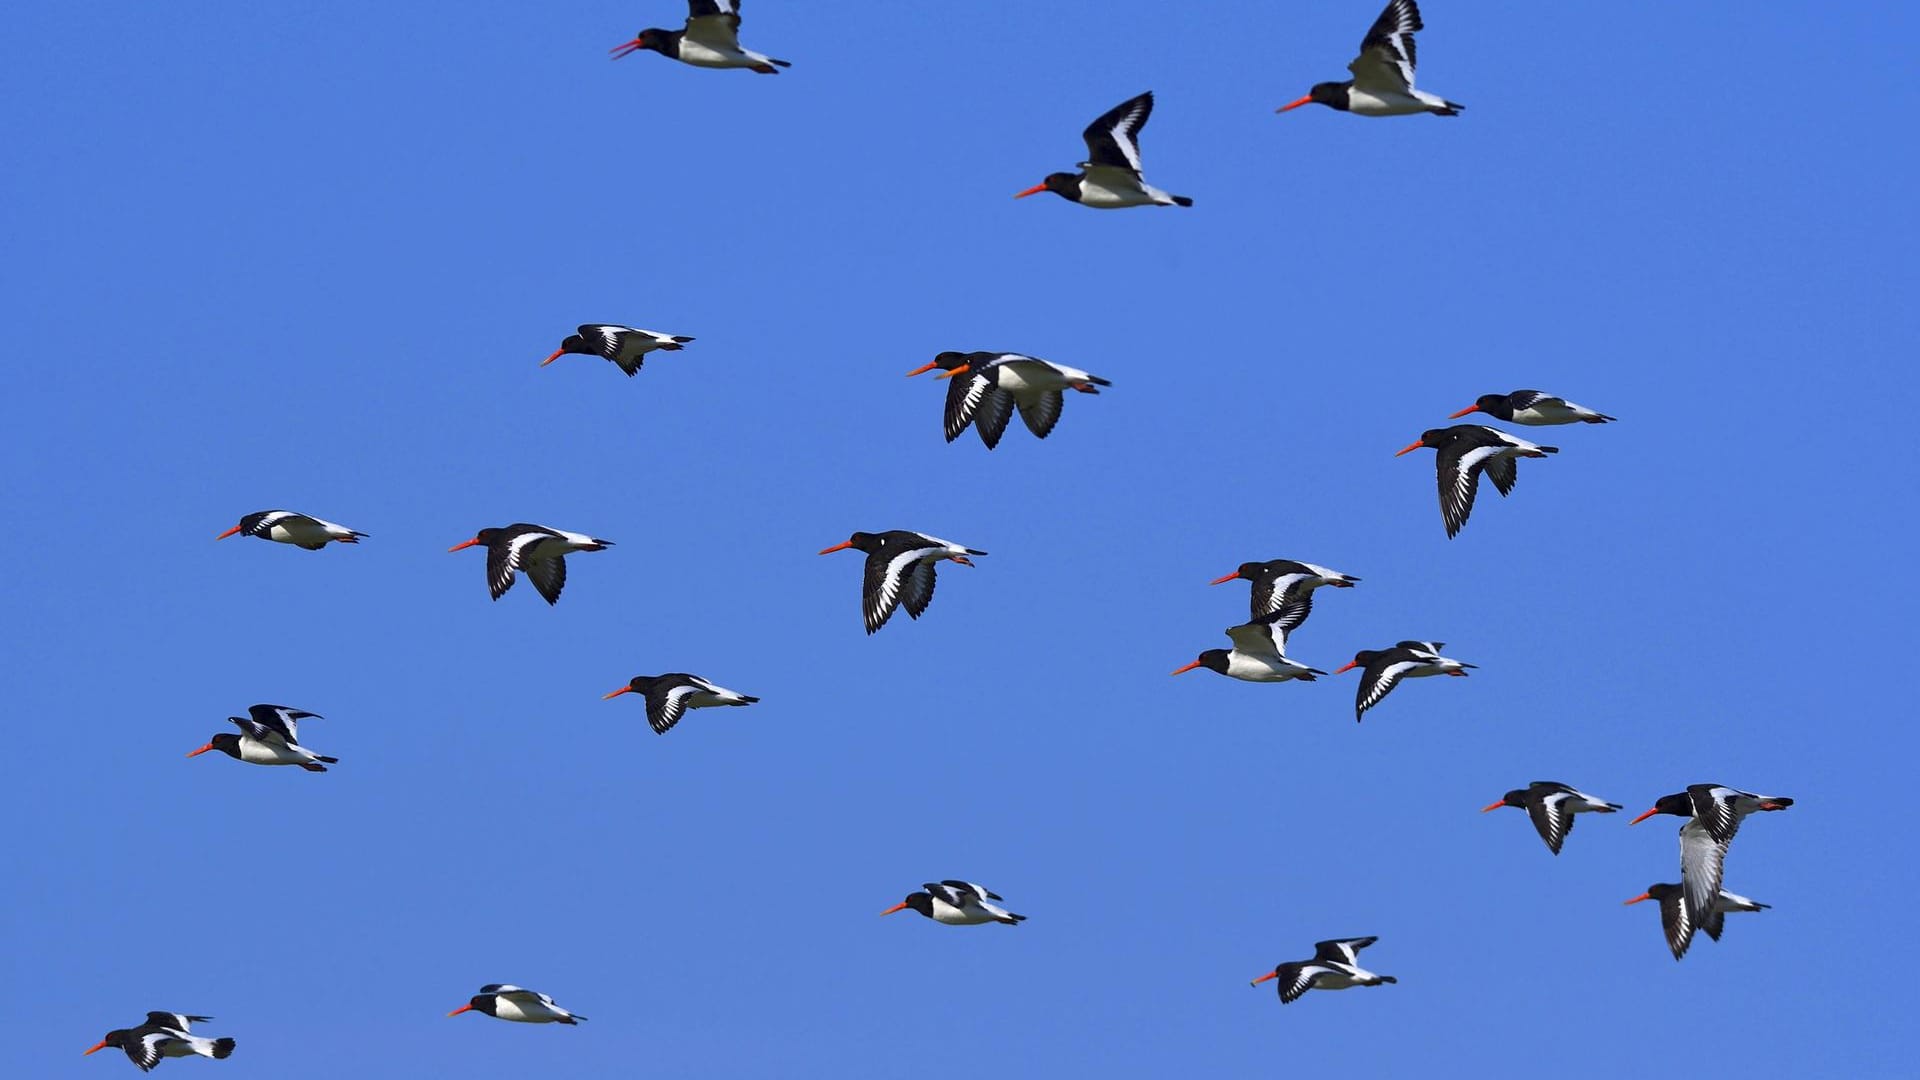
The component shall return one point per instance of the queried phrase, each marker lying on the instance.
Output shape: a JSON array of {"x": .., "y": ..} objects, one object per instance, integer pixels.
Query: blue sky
[{"x": 312, "y": 260}]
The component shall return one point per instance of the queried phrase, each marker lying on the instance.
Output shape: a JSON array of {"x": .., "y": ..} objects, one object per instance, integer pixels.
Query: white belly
[
  {"x": 1385, "y": 104},
  {"x": 255, "y": 752},
  {"x": 701, "y": 55},
  {"x": 1260, "y": 668},
  {"x": 297, "y": 533}
]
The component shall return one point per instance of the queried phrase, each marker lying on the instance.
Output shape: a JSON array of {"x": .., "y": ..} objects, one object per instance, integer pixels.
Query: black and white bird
[
  {"x": 711, "y": 39},
  {"x": 1677, "y": 918},
  {"x": 1284, "y": 588},
  {"x": 1335, "y": 966},
  {"x": 1382, "y": 83},
  {"x": 957, "y": 903},
  {"x": 900, "y": 570},
  {"x": 300, "y": 530},
  {"x": 1535, "y": 408},
  {"x": 987, "y": 387},
  {"x": 1259, "y": 654},
  {"x": 626, "y": 346},
  {"x": 535, "y": 549},
  {"x": 504, "y": 1001},
  {"x": 1382, "y": 670},
  {"x": 1552, "y": 806},
  {"x": 1467, "y": 450},
  {"x": 1713, "y": 813},
  {"x": 164, "y": 1035},
  {"x": 269, "y": 735},
  {"x": 1110, "y": 177},
  {"x": 668, "y": 696}
]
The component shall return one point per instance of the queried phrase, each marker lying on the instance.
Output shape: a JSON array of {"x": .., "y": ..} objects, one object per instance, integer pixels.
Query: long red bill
[
  {"x": 1294, "y": 104},
  {"x": 1350, "y": 664},
  {"x": 1644, "y": 816},
  {"x": 460, "y": 1010},
  {"x": 1184, "y": 670},
  {"x": 1493, "y": 806},
  {"x": 1463, "y": 412},
  {"x": 1223, "y": 580},
  {"x": 1264, "y": 978},
  {"x": 617, "y": 693},
  {"x": 961, "y": 370},
  {"x": 228, "y": 533},
  {"x": 841, "y": 546},
  {"x": 1637, "y": 899},
  {"x": 1408, "y": 449},
  {"x": 557, "y": 354},
  {"x": 101, "y": 1045},
  {"x": 464, "y": 544},
  {"x": 1034, "y": 190},
  {"x": 897, "y": 907},
  {"x": 922, "y": 369},
  {"x": 625, "y": 48},
  {"x": 202, "y": 750}
]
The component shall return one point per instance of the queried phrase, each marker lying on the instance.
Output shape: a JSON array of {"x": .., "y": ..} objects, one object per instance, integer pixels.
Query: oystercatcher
[
  {"x": 1535, "y": 408},
  {"x": 1335, "y": 966},
  {"x": 1284, "y": 588},
  {"x": 1678, "y": 919},
  {"x": 504, "y": 1001},
  {"x": 1552, "y": 806},
  {"x": 1382, "y": 83},
  {"x": 668, "y": 696},
  {"x": 539, "y": 551},
  {"x": 1110, "y": 177},
  {"x": 1382, "y": 669},
  {"x": 900, "y": 568},
  {"x": 711, "y": 39},
  {"x": 147, "y": 1044},
  {"x": 1259, "y": 654},
  {"x": 1466, "y": 450},
  {"x": 287, "y": 527},
  {"x": 1032, "y": 385},
  {"x": 965, "y": 395},
  {"x": 957, "y": 903},
  {"x": 626, "y": 346},
  {"x": 1713, "y": 813},
  {"x": 269, "y": 736}
]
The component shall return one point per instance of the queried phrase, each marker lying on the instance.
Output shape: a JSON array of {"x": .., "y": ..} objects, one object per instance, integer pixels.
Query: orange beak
[
  {"x": 1493, "y": 806},
  {"x": 922, "y": 369},
  {"x": 961, "y": 370},
  {"x": 1637, "y": 899},
  {"x": 897, "y": 907},
  {"x": 1644, "y": 816},
  {"x": 1184, "y": 670},
  {"x": 616, "y": 693},
  {"x": 464, "y": 544},
  {"x": 1034, "y": 190},
  {"x": 1350, "y": 664},
  {"x": 557, "y": 354},
  {"x": 1264, "y": 978},
  {"x": 1295, "y": 104},
  {"x": 202, "y": 750},
  {"x": 101, "y": 1045},
  {"x": 228, "y": 533},
  {"x": 842, "y": 546},
  {"x": 625, "y": 48},
  {"x": 1223, "y": 580},
  {"x": 1409, "y": 449},
  {"x": 460, "y": 1010},
  {"x": 1463, "y": 412}
]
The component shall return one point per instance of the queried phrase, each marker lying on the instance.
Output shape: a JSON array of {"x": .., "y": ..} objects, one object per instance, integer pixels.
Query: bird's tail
[
  {"x": 327, "y": 760},
  {"x": 1098, "y": 381},
  {"x": 1012, "y": 919},
  {"x": 1611, "y": 807},
  {"x": 1602, "y": 418},
  {"x": 1388, "y": 979},
  {"x": 1449, "y": 108},
  {"x": 223, "y": 1048},
  {"x": 311, "y": 767},
  {"x": 1182, "y": 200},
  {"x": 747, "y": 699},
  {"x": 1543, "y": 451},
  {"x": 574, "y": 1019}
]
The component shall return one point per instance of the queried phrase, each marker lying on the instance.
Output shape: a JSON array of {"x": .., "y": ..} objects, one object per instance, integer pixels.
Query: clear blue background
[{"x": 311, "y": 259}]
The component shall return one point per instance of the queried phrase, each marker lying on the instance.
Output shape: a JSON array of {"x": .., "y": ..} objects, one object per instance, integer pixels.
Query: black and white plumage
[
  {"x": 1535, "y": 408},
  {"x": 300, "y": 530},
  {"x": 625, "y": 346},
  {"x": 1713, "y": 813},
  {"x": 711, "y": 39},
  {"x": 1110, "y": 177},
  {"x": 1382, "y": 83},
  {"x": 900, "y": 570},
  {"x": 505, "y": 1001},
  {"x": 1552, "y": 806},
  {"x": 1679, "y": 918},
  {"x": 1467, "y": 450},
  {"x": 1259, "y": 654},
  {"x": 535, "y": 549},
  {"x": 1004, "y": 382},
  {"x": 159, "y": 1038},
  {"x": 1284, "y": 588},
  {"x": 269, "y": 735},
  {"x": 1382, "y": 670},
  {"x": 671, "y": 695},
  {"x": 1335, "y": 966},
  {"x": 957, "y": 903}
]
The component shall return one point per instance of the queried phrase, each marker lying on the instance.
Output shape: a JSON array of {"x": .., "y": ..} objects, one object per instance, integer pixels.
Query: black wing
[
  {"x": 282, "y": 720},
  {"x": 1114, "y": 139},
  {"x": 916, "y": 592},
  {"x": 990, "y": 420},
  {"x": 964, "y": 395},
  {"x": 1043, "y": 412},
  {"x": 1552, "y": 819},
  {"x": 1504, "y": 472},
  {"x": 549, "y": 576},
  {"x": 667, "y": 703}
]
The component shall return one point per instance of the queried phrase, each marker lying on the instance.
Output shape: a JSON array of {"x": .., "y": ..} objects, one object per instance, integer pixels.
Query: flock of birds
[{"x": 985, "y": 389}]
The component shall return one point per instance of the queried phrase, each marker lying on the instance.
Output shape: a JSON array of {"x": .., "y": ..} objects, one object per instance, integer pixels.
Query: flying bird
[
  {"x": 1467, "y": 450},
  {"x": 539, "y": 551},
  {"x": 1335, "y": 966},
  {"x": 287, "y": 527},
  {"x": 626, "y": 346},
  {"x": 1110, "y": 177},
  {"x": 1284, "y": 588},
  {"x": 1259, "y": 654},
  {"x": 504, "y": 1001},
  {"x": 1552, "y": 806},
  {"x": 900, "y": 569},
  {"x": 1382, "y": 669},
  {"x": 992, "y": 385},
  {"x": 1535, "y": 408},
  {"x": 1678, "y": 920},
  {"x": 1713, "y": 813},
  {"x": 957, "y": 903},
  {"x": 269, "y": 735},
  {"x": 1382, "y": 83},
  {"x": 668, "y": 696},
  {"x": 161, "y": 1037},
  {"x": 711, "y": 39}
]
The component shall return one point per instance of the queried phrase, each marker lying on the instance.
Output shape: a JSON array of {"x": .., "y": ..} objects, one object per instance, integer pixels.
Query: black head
[
  {"x": 1660, "y": 892},
  {"x": 920, "y": 901},
  {"x": 1679, "y": 804},
  {"x": 1214, "y": 660},
  {"x": 482, "y": 538},
  {"x": 482, "y": 1003},
  {"x": 1331, "y": 94},
  {"x": 1064, "y": 184},
  {"x": 1516, "y": 797},
  {"x": 654, "y": 38},
  {"x": 1361, "y": 659},
  {"x": 226, "y": 742},
  {"x": 639, "y": 684},
  {"x": 860, "y": 541},
  {"x": 1432, "y": 437},
  {"x": 946, "y": 361},
  {"x": 116, "y": 1038},
  {"x": 574, "y": 343}
]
